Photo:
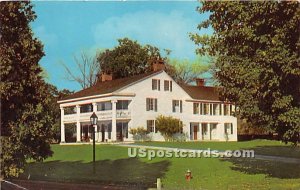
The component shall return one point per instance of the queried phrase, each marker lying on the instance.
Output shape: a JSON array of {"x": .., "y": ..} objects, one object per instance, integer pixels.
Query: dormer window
[{"x": 155, "y": 84}]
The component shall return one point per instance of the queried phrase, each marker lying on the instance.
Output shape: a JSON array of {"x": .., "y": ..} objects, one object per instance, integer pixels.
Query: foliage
[
  {"x": 26, "y": 123},
  {"x": 186, "y": 71},
  {"x": 88, "y": 70},
  {"x": 140, "y": 134},
  {"x": 129, "y": 58},
  {"x": 54, "y": 110},
  {"x": 179, "y": 137},
  {"x": 256, "y": 45},
  {"x": 168, "y": 126}
]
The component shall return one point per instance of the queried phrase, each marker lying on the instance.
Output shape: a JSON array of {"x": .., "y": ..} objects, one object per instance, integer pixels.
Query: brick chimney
[
  {"x": 158, "y": 65},
  {"x": 104, "y": 77},
  {"x": 200, "y": 82}
]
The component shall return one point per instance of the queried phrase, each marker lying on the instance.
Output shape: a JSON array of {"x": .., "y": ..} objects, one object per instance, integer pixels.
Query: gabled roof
[
  {"x": 108, "y": 86},
  {"x": 202, "y": 92}
]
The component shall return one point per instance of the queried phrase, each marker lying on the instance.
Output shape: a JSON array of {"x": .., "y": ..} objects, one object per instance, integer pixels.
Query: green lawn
[
  {"x": 73, "y": 164},
  {"x": 263, "y": 147}
]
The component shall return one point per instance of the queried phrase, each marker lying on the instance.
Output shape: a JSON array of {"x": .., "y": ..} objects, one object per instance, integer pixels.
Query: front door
[{"x": 195, "y": 132}]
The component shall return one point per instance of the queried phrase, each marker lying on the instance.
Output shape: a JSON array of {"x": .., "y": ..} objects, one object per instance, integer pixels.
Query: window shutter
[
  {"x": 158, "y": 84},
  {"x": 155, "y": 104},
  {"x": 180, "y": 102},
  {"x": 231, "y": 128},
  {"x": 173, "y": 105},
  {"x": 171, "y": 86},
  {"x": 147, "y": 104}
]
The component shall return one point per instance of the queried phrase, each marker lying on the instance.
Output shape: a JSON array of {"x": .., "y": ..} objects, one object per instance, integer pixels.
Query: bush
[
  {"x": 180, "y": 137},
  {"x": 140, "y": 134},
  {"x": 168, "y": 126}
]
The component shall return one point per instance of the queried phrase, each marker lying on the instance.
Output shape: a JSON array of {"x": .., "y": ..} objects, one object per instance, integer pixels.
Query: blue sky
[{"x": 66, "y": 28}]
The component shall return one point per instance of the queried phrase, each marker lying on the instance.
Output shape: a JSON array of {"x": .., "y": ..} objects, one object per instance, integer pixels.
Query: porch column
[
  {"x": 114, "y": 121},
  {"x": 94, "y": 107},
  {"x": 78, "y": 136},
  {"x": 209, "y": 131},
  {"x": 222, "y": 109},
  {"x": 95, "y": 128},
  {"x": 62, "y": 125},
  {"x": 200, "y": 131}
]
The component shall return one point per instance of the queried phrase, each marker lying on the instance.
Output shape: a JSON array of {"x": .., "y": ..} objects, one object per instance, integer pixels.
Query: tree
[
  {"x": 186, "y": 71},
  {"x": 54, "y": 110},
  {"x": 256, "y": 45},
  {"x": 26, "y": 121},
  {"x": 88, "y": 70},
  {"x": 129, "y": 58},
  {"x": 168, "y": 126}
]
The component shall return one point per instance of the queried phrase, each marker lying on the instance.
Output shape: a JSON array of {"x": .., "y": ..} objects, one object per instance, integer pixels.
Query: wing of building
[{"x": 136, "y": 101}]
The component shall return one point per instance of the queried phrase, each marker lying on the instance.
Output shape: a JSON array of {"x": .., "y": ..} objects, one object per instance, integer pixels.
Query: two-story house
[{"x": 136, "y": 101}]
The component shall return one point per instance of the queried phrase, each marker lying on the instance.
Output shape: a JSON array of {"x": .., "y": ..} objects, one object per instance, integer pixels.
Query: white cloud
[
  {"x": 164, "y": 30},
  {"x": 49, "y": 39}
]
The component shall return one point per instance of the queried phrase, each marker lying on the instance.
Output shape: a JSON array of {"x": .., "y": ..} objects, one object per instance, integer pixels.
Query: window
[
  {"x": 215, "y": 109},
  {"x": 151, "y": 126},
  {"x": 204, "y": 129},
  {"x": 86, "y": 108},
  {"x": 226, "y": 109},
  {"x": 196, "y": 108},
  {"x": 102, "y": 106},
  {"x": 122, "y": 105},
  {"x": 228, "y": 127},
  {"x": 70, "y": 110},
  {"x": 177, "y": 106},
  {"x": 205, "y": 109},
  {"x": 151, "y": 104},
  {"x": 168, "y": 85},
  {"x": 155, "y": 84}
]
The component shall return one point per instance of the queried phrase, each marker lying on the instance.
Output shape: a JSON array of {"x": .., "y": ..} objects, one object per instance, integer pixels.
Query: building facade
[{"x": 137, "y": 101}]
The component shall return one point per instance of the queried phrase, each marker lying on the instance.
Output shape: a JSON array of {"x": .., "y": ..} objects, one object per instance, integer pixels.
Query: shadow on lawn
[
  {"x": 282, "y": 151},
  {"x": 129, "y": 171},
  {"x": 275, "y": 169}
]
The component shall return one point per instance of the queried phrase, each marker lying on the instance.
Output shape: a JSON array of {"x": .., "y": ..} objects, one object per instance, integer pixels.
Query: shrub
[
  {"x": 168, "y": 126},
  {"x": 140, "y": 134}
]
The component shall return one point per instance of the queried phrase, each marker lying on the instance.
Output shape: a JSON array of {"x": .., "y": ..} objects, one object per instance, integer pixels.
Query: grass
[
  {"x": 73, "y": 164},
  {"x": 262, "y": 147}
]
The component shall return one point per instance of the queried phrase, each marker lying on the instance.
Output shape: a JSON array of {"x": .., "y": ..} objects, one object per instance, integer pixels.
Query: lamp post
[{"x": 94, "y": 120}]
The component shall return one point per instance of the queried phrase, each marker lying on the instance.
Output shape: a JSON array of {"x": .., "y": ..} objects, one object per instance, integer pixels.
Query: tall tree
[
  {"x": 26, "y": 121},
  {"x": 186, "y": 71},
  {"x": 88, "y": 68},
  {"x": 256, "y": 45},
  {"x": 128, "y": 58}
]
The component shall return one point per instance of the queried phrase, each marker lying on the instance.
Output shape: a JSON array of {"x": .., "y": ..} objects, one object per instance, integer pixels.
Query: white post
[
  {"x": 200, "y": 131},
  {"x": 114, "y": 121},
  {"x": 62, "y": 125},
  {"x": 95, "y": 128},
  {"x": 78, "y": 137},
  {"x": 222, "y": 109},
  {"x": 209, "y": 131}
]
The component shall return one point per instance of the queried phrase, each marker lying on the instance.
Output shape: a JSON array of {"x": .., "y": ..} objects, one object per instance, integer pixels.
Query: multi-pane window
[
  {"x": 122, "y": 104},
  {"x": 215, "y": 109},
  {"x": 102, "y": 106},
  {"x": 167, "y": 85},
  {"x": 86, "y": 108},
  {"x": 205, "y": 108},
  {"x": 151, "y": 104},
  {"x": 226, "y": 109},
  {"x": 196, "y": 108},
  {"x": 155, "y": 84},
  {"x": 177, "y": 106},
  {"x": 70, "y": 110},
  {"x": 151, "y": 126},
  {"x": 228, "y": 127}
]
